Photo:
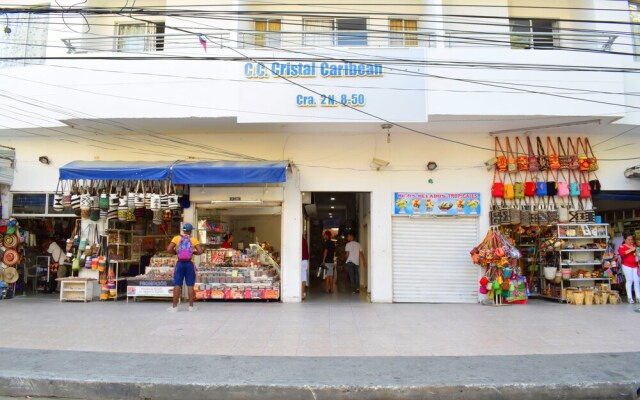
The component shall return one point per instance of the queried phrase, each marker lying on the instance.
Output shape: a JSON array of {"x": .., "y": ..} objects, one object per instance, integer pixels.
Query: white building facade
[{"x": 313, "y": 85}]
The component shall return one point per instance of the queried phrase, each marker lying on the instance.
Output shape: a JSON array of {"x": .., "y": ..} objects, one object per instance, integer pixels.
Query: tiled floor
[{"x": 324, "y": 325}]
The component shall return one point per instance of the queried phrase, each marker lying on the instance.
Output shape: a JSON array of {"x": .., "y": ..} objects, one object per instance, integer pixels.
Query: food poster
[{"x": 408, "y": 203}]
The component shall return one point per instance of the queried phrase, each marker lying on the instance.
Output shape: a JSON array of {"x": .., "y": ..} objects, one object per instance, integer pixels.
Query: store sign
[
  {"x": 410, "y": 203},
  {"x": 150, "y": 291}
]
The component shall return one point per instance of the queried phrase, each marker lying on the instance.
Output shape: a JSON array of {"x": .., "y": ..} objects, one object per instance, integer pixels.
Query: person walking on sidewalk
[
  {"x": 328, "y": 254},
  {"x": 354, "y": 254},
  {"x": 185, "y": 247},
  {"x": 304, "y": 267},
  {"x": 627, "y": 253}
]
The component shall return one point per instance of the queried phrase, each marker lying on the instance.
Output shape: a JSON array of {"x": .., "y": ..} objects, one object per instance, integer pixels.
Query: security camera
[{"x": 378, "y": 163}]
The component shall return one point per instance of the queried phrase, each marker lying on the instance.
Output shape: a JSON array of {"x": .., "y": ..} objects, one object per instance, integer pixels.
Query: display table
[
  {"x": 76, "y": 289},
  {"x": 157, "y": 282}
]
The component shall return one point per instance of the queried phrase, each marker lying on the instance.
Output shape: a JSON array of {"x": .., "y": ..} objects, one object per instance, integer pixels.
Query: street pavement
[{"x": 329, "y": 347}]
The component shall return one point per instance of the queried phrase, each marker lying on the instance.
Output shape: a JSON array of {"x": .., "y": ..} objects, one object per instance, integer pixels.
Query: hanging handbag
[
  {"x": 552, "y": 212},
  {"x": 543, "y": 216},
  {"x": 574, "y": 185},
  {"x": 497, "y": 188},
  {"x": 563, "y": 213},
  {"x": 173, "y": 199},
  {"x": 534, "y": 215},
  {"x": 75, "y": 199},
  {"x": 518, "y": 188},
  {"x": 512, "y": 165},
  {"x": 495, "y": 217},
  {"x": 514, "y": 214},
  {"x": 541, "y": 188},
  {"x": 131, "y": 197},
  {"x": 72, "y": 238},
  {"x": 501, "y": 159},
  {"x": 563, "y": 186},
  {"x": 525, "y": 214},
  {"x": 594, "y": 184},
  {"x": 563, "y": 158},
  {"x": 552, "y": 186},
  {"x": 147, "y": 198},
  {"x": 139, "y": 196},
  {"x": 66, "y": 195},
  {"x": 157, "y": 217},
  {"x": 122, "y": 205},
  {"x": 543, "y": 159},
  {"x": 85, "y": 200},
  {"x": 534, "y": 165},
  {"x": 554, "y": 159},
  {"x": 114, "y": 199},
  {"x": 505, "y": 214},
  {"x": 164, "y": 197},
  {"x": 521, "y": 157},
  {"x": 585, "y": 189},
  {"x": 529, "y": 186},
  {"x": 593, "y": 161},
  {"x": 572, "y": 154},
  {"x": 584, "y": 164},
  {"x": 57, "y": 198},
  {"x": 589, "y": 213},
  {"x": 509, "y": 191}
]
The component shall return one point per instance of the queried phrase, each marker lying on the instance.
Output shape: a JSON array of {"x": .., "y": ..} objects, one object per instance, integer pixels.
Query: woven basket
[
  {"x": 604, "y": 297},
  {"x": 570, "y": 292},
  {"x": 614, "y": 297},
  {"x": 589, "y": 294},
  {"x": 578, "y": 298}
]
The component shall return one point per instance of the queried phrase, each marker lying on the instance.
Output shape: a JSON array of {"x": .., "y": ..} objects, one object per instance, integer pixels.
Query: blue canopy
[
  {"x": 117, "y": 170},
  {"x": 230, "y": 172}
]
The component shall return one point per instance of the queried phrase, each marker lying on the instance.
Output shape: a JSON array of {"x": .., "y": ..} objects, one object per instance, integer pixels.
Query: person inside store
[
  {"x": 228, "y": 241},
  {"x": 185, "y": 247},
  {"x": 328, "y": 254},
  {"x": 56, "y": 267},
  {"x": 304, "y": 267},
  {"x": 627, "y": 253},
  {"x": 355, "y": 255}
]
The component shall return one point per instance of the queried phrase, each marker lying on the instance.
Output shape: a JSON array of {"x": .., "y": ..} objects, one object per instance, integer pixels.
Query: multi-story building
[{"x": 359, "y": 98}]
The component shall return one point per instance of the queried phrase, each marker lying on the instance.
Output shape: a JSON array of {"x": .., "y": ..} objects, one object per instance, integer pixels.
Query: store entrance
[{"x": 337, "y": 213}]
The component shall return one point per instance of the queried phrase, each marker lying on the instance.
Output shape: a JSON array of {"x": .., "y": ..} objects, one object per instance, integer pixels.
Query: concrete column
[
  {"x": 291, "y": 248},
  {"x": 435, "y": 24},
  {"x": 380, "y": 263}
]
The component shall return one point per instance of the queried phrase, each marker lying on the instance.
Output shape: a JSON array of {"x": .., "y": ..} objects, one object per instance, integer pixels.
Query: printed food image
[
  {"x": 415, "y": 203},
  {"x": 473, "y": 204},
  {"x": 445, "y": 205},
  {"x": 459, "y": 203},
  {"x": 429, "y": 203},
  {"x": 401, "y": 203}
]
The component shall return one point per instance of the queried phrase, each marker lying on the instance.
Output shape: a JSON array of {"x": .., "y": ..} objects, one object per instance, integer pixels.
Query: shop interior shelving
[
  {"x": 582, "y": 246},
  {"x": 122, "y": 248}
]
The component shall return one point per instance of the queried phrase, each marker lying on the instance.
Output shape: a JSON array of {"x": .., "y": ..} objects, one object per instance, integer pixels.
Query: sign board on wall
[
  {"x": 333, "y": 90},
  {"x": 412, "y": 203}
]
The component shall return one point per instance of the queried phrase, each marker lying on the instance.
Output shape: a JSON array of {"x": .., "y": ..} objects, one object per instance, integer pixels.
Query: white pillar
[
  {"x": 380, "y": 264},
  {"x": 435, "y": 24},
  {"x": 291, "y": 248}
]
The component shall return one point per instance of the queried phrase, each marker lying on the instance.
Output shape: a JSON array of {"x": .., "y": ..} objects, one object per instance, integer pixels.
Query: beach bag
[
  {"x": 185, "y": 248},
  {"x": 534, "y": 165},
  {"x": 521, "y": 157}
]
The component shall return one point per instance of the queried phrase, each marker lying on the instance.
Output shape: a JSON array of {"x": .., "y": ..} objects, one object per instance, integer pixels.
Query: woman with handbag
[{"x": 627, "y": 253}]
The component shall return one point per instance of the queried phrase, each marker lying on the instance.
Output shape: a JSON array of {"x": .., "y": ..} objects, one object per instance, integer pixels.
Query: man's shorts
[{"x": 184, "y": 270}]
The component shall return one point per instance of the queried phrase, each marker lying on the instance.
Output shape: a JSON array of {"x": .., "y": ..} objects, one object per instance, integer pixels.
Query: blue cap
[{"x": 187, "y": 227}]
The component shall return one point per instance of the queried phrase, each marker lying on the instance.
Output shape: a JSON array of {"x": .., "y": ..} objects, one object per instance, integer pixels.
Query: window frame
[
  {"x": 268, "y": 37},
  {"x": 48, "y": 211},
  {"x": 527, "y": 39},
  {"x": 153, "y": 43},
  {"x": 403, "y": 37},
  {"x": 334, "y": 39},
  {"x": 634, "y": 18}
]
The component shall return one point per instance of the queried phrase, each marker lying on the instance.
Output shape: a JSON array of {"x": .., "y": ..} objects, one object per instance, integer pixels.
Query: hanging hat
[
  {"x": 1, "y": 275},
  {"x": 11, "y": 257},
  {"x": 11, "y": 275},
  {"x": 10, "y": 241}
]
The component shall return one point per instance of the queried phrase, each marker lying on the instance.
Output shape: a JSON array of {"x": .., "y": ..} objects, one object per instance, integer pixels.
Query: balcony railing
[
  {"x": 333, "y": 38},
  {"x": 145, "y": 43},
  {"x": 188, "y": 43},
  {"x": 543, "y": 40}
]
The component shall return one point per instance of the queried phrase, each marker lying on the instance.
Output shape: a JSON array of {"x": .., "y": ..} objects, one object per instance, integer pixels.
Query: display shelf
[
  {"x": 581, "y": 264},
  {"x": 590, "y": 279},
  {"x": 582, "y": 250},
  {"x": 583, "y": 237},
  {"x": 70, "y": 287}
]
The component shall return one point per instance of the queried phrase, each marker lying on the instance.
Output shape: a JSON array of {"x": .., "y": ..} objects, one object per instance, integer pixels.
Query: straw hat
[
  {"x": 11, "y": 275},
  {"x": 10, "y": 240},
  {"x": 10, "y": 257}
]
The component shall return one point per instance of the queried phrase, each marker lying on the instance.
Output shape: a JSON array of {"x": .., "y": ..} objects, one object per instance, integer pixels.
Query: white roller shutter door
[{"x": 431, "y": 262}]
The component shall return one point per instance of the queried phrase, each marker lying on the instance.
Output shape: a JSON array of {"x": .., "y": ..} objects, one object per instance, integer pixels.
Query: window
[
  {"x": 40, "y": 204},
  {"x": 634, "y": 9},
  {"x": 336, "y": 32},
  {"x": 140, "y": 37},
  {"x": 532, "y": 33},
  {"x": 271, "y": 37},
  {"x": 402, "y": 32}
]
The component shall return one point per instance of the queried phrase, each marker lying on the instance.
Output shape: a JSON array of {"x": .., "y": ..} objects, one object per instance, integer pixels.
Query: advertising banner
[{"x": 411, "y": 203}]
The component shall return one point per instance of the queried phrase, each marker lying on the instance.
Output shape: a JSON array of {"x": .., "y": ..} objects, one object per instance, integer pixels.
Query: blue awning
[
  {"x": 117, "y": 170},
  {"x": 230, "y": 172}
]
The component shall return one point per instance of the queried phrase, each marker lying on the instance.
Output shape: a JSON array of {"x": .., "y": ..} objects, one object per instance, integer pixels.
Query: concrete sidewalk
[{"x": 324, "y": 349}]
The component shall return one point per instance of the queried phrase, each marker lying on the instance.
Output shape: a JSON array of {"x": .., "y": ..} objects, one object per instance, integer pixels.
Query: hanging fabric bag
[
  {"x": 541, "y": 188},
  {"x": 57, "y": 198},
  {"x": 543, "y": 159},
  {"x": 563, "y": 186},
  {"x": 173, "y": 199},
  {"x": 114, "y": 200},
  {"x": 572, "y": 154},
  {"x": 554, "y": 159},
  {"x": 104, "y": 198},
  {"x": 512, "y": 165},
  {"x": 574, "y": 184},
  {"x": 521, "y": 157},
  {"x": 164, "y": 197},
  {"x": 497, "y": 188},
  {"x": 584, "y": 164},
  {"x": 594, "y": 183},
  {"x": 75, "y": 198},
  {"x": 509, "y": 191},
  {"x": 585, "y": 188},
  {"x": 155, "y": 200},
  {"x": 501, "y": 158},
  {"x": 593, "y": 161},
  {"x": 552, "y": 185},
  {"x": 131, "y": 197},
  {"x": 66, "y": 195},
  {"x": 534, "y": 165},
  {"x": 563, "y": 213},
  {"x": 529, "y": 186},
  {"x": 147, "y": 197},
  {"x": 139, "y": 195}
]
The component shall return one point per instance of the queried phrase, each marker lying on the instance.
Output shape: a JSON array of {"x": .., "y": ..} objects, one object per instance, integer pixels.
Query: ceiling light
[
  {"x": 333, "y": 199},
  {"x": 44, "y": 159},
  {"x": 431, "y": 165},
  {"x": 332, "y": 207}
]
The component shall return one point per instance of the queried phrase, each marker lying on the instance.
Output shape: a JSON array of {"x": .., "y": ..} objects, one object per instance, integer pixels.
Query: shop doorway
[{"x": 337, "y": 213}]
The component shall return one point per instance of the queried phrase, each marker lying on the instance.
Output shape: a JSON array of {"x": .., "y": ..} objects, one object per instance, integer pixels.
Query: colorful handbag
[
  {"x": 574, "y": 185},
  {"x": 521, "y": 157},
  {"x": 497, "y": 188},
  {"x": 529, "y": 187},
  {"x": 57, "y": 199},
  {"x": 512, "y": 165},
  {"x": 584, "y": 163},
  {"x": 543, "y": 159},
  {"x": 585, "y": 190},
  {"x": 552, "y": 186},
  {"x": 563, "y": 158},
  {"x": 518, "y": 188},
  {"x": 593, "y": 161},
  {"x": 563, "y": 187},
  {"x": 554, "y": 160},
  {"x": 594, "y": 184},
  {"x": 534, "y": 165},
  {"x": 541, "y": 188},
  {"x": 501, "y": 160},
  {"x": 573, "y": 155}
]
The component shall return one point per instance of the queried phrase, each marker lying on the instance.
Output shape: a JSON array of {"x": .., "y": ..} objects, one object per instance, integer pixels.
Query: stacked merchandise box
[
  {"x": 157, "y": 280},
  {"x": 236, "y": 275}
]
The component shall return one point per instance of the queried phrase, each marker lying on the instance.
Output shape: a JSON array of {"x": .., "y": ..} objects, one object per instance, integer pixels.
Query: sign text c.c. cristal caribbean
[{"x": 312, "y": 70}]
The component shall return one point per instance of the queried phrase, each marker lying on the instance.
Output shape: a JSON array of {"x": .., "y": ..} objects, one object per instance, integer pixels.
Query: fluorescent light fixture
[
  {"x": 332, "y": 207},
  {"x": 333, "y": 199},
  {"x": 236, "y": 201}
]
